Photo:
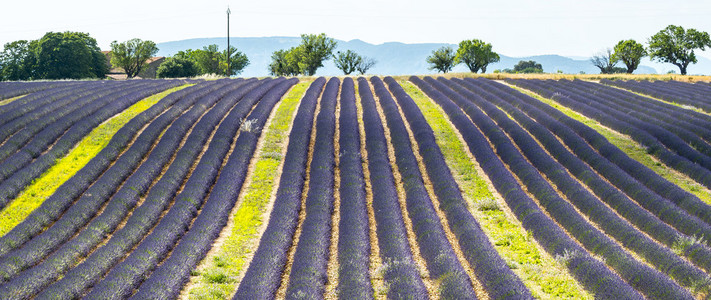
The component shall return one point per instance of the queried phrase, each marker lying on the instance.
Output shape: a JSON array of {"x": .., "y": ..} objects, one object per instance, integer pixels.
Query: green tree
[
  {"x": 16, "y": 61},
  {"x": 132, "y": 55},
  {"x": 208, "y": 59},
  {"x": 630, "y": 53},
  {"x": 476, "y": 54},
  {"x": 304, "y": 59},
  {"x": 442, "y": 59},
  {"x": 177, "y": 66},
  {"x": 68, "y": 55},
  {"x": 528, "y": 67},
  {"x": 285, "y": 62},
  {"x": 676, "y": 45},
  {"x": 315, "y": 48},
  {"x": 238, "y": 61},
  {"x": 347, "y": 61}
]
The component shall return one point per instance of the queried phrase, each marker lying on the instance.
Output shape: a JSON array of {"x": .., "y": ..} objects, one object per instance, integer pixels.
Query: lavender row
[
  {"x": 442, "y": 263},
  {"x": 543, "y": 128},
  {"x": 19, "y": 113},
  {"x": 54, "y": 206},
  {"x": 14, "y": 89},
  {"x": 127, "y": 275},
  {"x": 697, "y": 123},
  {"x": 702, "y": 175},
  {"x": 596, "y": 211},
  {"x": 674, "y": 122},
  {"x": 144, "y": 217},
  {"x": 664, "y": 94},
  {"x": 491, "y": 270},
  {"x": 28, "y": 169},
  {"x": 54, "y": 113},
  {"x": 634, "y": 171},
  {"x": 591, "y": 273},
  {"x": 86, "y": 207},
  {"x": 354, "y": 237},
  {"x": 127, "y": 197},
  {"x": 657, "y": 135},
  {"x": 648, "y": 281},
  {"x": 398, "y": 267},
  {"x": 174, "y": 272},
  {"x": 277, "y": 238},
  {"x": 308, "y": 271}
]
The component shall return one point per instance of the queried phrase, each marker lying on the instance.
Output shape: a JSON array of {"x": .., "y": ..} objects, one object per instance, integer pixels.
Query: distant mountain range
[{"x": 394, "y": 58}]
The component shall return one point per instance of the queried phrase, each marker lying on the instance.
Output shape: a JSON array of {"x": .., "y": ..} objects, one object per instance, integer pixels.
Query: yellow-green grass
[
  {"x": 632, "y": 149},
  {"x": 538, "y": 270},
  {"x": 216, "y": 276},
  {"x": 9, "y": 100},
  {"x": 63, "y": 169}
]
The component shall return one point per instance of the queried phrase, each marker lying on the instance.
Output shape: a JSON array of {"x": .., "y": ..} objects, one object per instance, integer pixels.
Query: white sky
[{"x": 515, "y": 28}]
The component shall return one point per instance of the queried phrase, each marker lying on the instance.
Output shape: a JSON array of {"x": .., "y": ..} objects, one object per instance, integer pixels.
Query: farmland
[{"x": 356, "y": 188}]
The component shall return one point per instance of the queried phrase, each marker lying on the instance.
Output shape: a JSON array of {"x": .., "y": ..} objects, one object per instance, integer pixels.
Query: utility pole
[{"x": 228, "y": 42}]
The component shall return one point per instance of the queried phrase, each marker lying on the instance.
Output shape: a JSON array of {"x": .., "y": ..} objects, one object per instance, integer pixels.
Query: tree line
[
  {"x": 75, "y": 55},
  {"x": 673, "y": 44}
]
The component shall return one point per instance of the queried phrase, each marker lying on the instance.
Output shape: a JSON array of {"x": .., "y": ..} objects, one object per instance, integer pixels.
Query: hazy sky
[{"x": 515, "y": 28}]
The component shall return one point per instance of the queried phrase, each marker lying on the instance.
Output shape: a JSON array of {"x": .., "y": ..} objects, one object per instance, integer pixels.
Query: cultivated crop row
[
  {"x": 695, "y": 95},
  {"x": 124, "y": 193}
]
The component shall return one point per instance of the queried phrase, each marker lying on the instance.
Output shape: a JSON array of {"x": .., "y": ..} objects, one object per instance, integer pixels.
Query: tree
[
  {"x": 676, "y": 45},
  {"x": 16, "y": 61},
  {"x": 347, "y": 61},
  {"x": 476, "y": 54},
  {"x": 285, "y": 62},
  {"x": 604, "y": 61},
  {"x": 208, "y": 59},
  {"x": 630, "y": 53},
  {"x": 67, "y": 54},
  {"x": 442, "y": 59},
  {"x": 132, "y": 55},
  {"x": 314, "y": 50},
  {"x": 528, "y": 67},
  {"x": 304, "y": 59},
  {"x": 238, "y": 61},
  {"x": 177, "y": 66},
  {"x": 365, "y": 64}
]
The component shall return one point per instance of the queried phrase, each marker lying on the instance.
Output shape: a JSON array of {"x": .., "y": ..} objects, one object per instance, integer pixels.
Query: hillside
[{"x": 396, "y": 58}]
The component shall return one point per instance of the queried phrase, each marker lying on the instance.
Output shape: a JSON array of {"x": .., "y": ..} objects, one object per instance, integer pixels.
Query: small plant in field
[
  {"x": 248, "y": 126},
  {"x": 683, "y": 242},
  {"x": 567, "y": 256},
  {"x": 487, "y": 204}
]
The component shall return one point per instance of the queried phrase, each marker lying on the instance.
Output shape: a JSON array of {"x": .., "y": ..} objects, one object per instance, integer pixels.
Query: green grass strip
[
  {"x": 9, "y": 100},
  {"x": 633, "y": 150},
  {"x": 539, "y": 271},
  {"x": 44, "y": 186},
  {"x": 216, "y": 276}
]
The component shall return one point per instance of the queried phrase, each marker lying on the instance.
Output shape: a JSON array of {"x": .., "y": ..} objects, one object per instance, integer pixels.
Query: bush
[{"x": 174, "y": 67}]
